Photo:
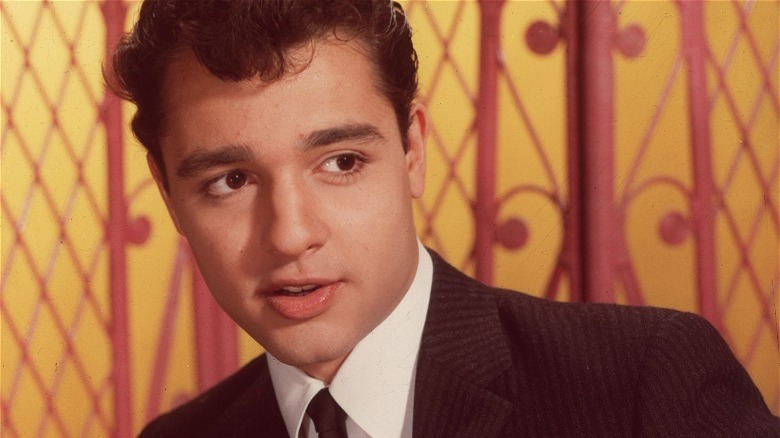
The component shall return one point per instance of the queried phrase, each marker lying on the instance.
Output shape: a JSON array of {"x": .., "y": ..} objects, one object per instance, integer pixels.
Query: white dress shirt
[{"x": 375, "y": 384}]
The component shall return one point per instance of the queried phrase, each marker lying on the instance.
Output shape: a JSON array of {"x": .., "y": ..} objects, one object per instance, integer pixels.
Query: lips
[
  {"x": 297, "y": 291},
  {"x": 302, "y": 301}
]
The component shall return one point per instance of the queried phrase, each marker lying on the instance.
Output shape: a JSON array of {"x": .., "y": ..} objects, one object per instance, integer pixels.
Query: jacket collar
[
  {"x": 462, "y": 376},
  {"x": 256, "y": 412},
  {"x": 459, "y": 388}
]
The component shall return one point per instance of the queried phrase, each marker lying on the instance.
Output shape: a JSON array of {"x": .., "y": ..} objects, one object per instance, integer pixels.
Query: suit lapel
[
  {"x": 256, "y": 413},
  {"x": 463, "y": 361}
]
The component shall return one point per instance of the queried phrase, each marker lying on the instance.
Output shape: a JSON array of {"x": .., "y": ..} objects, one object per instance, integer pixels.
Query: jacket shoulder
[
  {"x": 235, "y": 406},
  {"x": 539, "y": 317},
  {"x": 657, "y": 372}
]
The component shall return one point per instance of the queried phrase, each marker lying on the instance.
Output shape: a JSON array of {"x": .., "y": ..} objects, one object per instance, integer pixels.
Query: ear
[
  {"x": 159, "y": 180},
  {"x": 415, "y": 155}
]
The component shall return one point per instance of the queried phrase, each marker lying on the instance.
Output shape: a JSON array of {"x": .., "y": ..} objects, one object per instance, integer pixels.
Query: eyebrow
[
  {"x": 350, "y": 132},
  {"x": 201, "y": 161}
]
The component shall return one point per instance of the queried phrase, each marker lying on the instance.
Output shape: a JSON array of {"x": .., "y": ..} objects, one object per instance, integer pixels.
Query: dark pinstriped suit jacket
[{"x": 497, "y": 363}]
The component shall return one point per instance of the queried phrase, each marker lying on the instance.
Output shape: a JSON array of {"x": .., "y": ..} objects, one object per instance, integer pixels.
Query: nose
[{"x": 295, "y": 225}]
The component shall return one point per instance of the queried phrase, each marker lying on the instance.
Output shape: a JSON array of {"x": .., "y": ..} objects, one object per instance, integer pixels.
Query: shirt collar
[{"x": 375, "y": 383}]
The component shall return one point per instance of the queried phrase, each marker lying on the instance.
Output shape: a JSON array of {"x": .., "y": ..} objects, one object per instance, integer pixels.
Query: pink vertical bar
[
  {"x": 167, "y": 329},
  {"x": 215, "y": 336},
  {"x": 114, "y": 12},
  {"x": 694, "y": 46},
  {"x": 485, "y": 205},
  {"x": 598, "y": 25}
]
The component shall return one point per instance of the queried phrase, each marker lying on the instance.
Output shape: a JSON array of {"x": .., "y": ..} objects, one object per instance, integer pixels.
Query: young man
[{"x": 287, "y": 145}]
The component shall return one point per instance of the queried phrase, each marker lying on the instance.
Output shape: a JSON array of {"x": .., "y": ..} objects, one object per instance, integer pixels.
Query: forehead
[
  {"x": 331, "y": 82},
  {"x": 187, "y": 78}
]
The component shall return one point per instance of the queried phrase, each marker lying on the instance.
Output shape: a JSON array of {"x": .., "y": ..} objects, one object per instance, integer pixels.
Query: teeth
[{"x": 295, "y": 289}]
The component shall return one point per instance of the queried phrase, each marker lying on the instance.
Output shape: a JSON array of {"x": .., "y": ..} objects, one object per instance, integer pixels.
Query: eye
[
  {"x": 227, "y": 183},
  {"x": 344, "y": 163},
  {"x": 235, "y": 180}
]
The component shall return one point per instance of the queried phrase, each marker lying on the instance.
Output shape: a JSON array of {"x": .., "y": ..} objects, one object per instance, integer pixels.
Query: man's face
[{"x": 296, "y": 198}]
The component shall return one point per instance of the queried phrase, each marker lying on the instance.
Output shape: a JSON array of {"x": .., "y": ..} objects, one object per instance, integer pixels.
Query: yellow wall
[{"x": 43, "y": 290}]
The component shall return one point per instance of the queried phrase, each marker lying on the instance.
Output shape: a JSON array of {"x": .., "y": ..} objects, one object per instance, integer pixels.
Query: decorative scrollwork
[
  {"x": 542, "y": 37},
  {"x": 631, "y": 41},
  {"x": 512, "y": 234},
  {"x": 138, "y": 229},
  {"x": 674, "y": 228}
]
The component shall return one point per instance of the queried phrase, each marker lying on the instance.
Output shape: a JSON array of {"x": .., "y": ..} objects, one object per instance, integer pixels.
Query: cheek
[
  {"x": 373, "y": 211},
  {"x": 215, "y": 237}
]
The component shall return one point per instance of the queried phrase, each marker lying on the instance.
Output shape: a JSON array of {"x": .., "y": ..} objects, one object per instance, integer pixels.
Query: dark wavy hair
[{"x": 242, "y": 39}]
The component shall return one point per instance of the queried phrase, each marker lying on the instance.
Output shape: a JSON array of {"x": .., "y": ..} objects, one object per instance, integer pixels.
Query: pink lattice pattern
[
  {"x": 754, "y": 163},
  {"x": 52, "y": 296},
  {"x": 444, "y": 81}
]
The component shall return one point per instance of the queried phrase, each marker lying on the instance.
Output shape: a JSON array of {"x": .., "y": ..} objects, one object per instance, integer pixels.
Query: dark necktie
[{"x": 328, "y": 417}]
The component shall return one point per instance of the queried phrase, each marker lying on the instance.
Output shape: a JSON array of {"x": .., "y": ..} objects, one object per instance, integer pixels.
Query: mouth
[
  {"x": 297, "y": 291},
  {"x": 302, "y": 301}
]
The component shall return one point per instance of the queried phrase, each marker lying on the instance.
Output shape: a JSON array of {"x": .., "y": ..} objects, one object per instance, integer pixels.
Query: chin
[{"x": 309, "y": 353}]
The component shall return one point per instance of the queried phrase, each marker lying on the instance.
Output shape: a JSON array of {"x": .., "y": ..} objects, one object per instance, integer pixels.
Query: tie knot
[{"x": 328, "y": 417}]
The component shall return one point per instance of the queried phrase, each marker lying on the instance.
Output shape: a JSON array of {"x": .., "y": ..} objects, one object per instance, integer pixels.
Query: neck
[{"x": 324, "y": 371}]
